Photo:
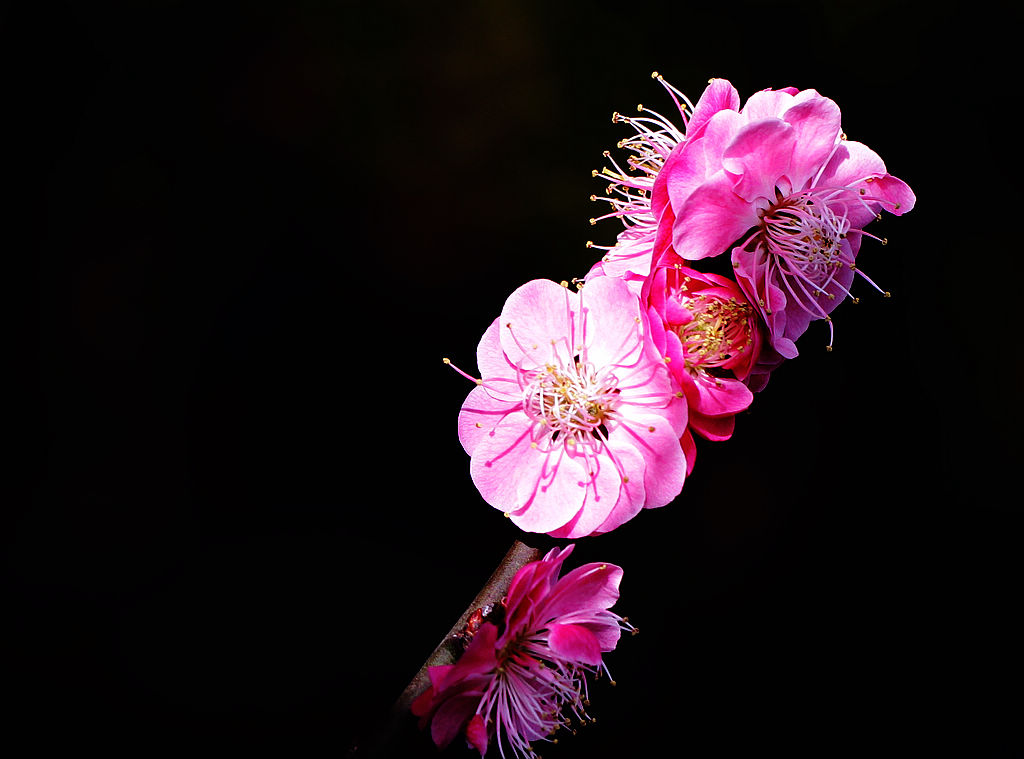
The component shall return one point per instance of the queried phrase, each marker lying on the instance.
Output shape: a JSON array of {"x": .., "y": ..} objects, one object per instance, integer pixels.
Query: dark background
[{"x": 251, "y": 232}]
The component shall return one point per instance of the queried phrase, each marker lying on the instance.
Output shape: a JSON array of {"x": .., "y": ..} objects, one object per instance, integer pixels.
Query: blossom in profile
[
  {"x": 712, "y": 339},
  {"x": 575, "y": 422},
  {"x": 778, "y": 184},
  {"x": 524, "y": 671}
]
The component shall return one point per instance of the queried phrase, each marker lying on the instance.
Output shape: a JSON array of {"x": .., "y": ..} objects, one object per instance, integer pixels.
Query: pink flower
[
  {"x": 778, "y": 183},
  {"x": 575, "y": 423},
  {"x": 713, "y": 341},
  {"x": 524, "y": 669}
]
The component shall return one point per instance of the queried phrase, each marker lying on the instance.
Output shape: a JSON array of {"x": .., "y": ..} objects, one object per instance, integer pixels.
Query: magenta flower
[
  {"x": 575, "y": 423},
  {"x": 779, "y": 184},
  {"x": 713, "y": 341},
  {"x": 525, "y": 669}
]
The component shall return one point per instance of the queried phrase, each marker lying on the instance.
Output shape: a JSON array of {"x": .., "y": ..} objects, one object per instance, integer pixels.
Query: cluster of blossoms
[
  {"x": 526, "y": 663},
  {"x": 590, "y": 400}
]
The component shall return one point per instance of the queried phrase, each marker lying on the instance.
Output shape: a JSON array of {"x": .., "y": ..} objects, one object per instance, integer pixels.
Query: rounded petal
[
  {"x": 610, "y": 326},
  {"x": 713, "y": 428},
  {"x": 574, "y": 643},
  {"x": 625, "y": 464},
  {"x": 539, "y": 324},
  {"x": 540, "y": 491},
  {"x": 712, "y": 220},
  {"x": 658, "y": 444},
  {"x": 480, "y": 413},
  {"x": 758, "y": 156},
  {"x": 719, "y": 95},
  {"x": 817, "y": 126},
  {"x": 550, "y": 492},
  {"x": 490, "y": 358},
  {"x": 767, "y": 104},
  {"x": 720, "y": 397}
]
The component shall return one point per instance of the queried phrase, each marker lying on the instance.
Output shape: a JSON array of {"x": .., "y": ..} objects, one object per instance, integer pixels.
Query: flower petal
[
  {"x": 539, "y": 324},
  {"x": 620, "y": 499},
  {"x": 719, "y": 95},
  {"x": 476, "y": 733},
  {"x": 480, "y": 413},
  {"x": 593, "y": 586},
  {"x": 817, "y": 125},
  {"x": 610, "y": 328},
  {"x": 551, "y": 492},
  {"x": 712, "y": 219},
  {"x": 451, "y": 715},
  {"x": 574, "y": 643},
  {"x": 758, "y": 156}
]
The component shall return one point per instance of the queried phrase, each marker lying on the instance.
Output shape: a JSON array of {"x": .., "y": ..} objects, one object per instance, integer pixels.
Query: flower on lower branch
[
  {"x": 575, "y": 422},
  {"x": 524, "y": 671}
]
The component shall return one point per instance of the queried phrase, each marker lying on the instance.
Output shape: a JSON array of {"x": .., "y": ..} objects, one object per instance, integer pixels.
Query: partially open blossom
[
  {"x": 574, "y": 425},
  {"x": 524, "y": 671},
  {"x": 778, "y": 183},
  {"x": 713, "y": 341}
]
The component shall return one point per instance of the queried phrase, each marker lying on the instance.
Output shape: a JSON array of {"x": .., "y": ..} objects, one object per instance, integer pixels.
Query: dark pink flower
[
  {"x": 574, "y": 425},
  {"x": 713, "y": 341},
  {"x": 778, "y": 183},
  {"x": 525, "y": 672}
]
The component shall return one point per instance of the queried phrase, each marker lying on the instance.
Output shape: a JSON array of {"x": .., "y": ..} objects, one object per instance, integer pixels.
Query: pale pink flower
[
  {"x": 778, "y": 183},
  {"x": 575, "y": 423},
  {"x": 712, "y": 339},
  {"x": 525, "y": 670}
]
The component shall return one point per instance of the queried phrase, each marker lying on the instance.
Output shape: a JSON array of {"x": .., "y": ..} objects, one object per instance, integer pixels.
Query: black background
[{"x": 252, "y": 231}]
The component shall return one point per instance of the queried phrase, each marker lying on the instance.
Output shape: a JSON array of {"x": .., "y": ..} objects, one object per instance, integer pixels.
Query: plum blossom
[
  {"x": 778, "y": 183},
  {"x": 713, "y": 341},
  {"x": 575, "y": 422},
  {"x": 525, "y": 668}
]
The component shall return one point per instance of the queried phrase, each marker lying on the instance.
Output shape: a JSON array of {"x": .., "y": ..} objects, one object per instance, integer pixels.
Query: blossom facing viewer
[
  {"x": 525, "y": 668},
  {"x": 778, "y": 184},
  {"x": 575, "y": 422},
  {"x": 712, "y": 338}
]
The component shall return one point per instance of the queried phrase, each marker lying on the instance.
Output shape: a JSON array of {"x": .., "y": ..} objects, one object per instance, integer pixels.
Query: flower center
[
  {"x": 718, "y": 333},
  {"x": 806, "y": 237},
  {"x": 571, "y": 404}
]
